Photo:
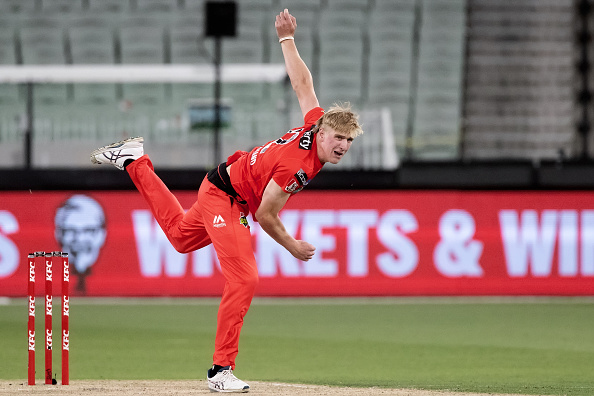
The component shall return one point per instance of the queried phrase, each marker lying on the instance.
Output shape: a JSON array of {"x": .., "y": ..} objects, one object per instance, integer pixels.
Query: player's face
[{"x": 332, "y": 145}]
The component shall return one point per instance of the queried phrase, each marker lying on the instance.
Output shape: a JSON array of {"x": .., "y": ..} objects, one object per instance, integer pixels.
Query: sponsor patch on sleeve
[
  {"x": 301, "y": 177},
  {"x": 297, "y": 184},
  {"x": 291, "y": 187}
]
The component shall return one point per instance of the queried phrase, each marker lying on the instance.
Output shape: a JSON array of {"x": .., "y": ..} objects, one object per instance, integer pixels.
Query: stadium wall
[
  {"x": 374, "y": 236},
  {"x": 523, "y": 175}
]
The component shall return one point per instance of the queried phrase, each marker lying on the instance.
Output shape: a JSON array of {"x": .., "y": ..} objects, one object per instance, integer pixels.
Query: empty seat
[
  {"x": 10, "y": 94},
  {"x": 141, "y": 44},
  {"x": 187, "y": 46},
  {"x": 244, "y": 94},
  {"x": 52, "y": 93},
  {"x": 92, "y": 42},
  {"x": 345, "y": 20},
  {"x": 108, "y": 6},
  {"x": 388, "y": 89},
  {"x": 341, "y": 5},
  {"x": 144, "y": 93},
  {"x": 7, "y": 46},
  {"x": 61, "y": 6},
  {"x": 182, "y": 92},
  {"x": 17, "y": 6},
  {"x": 341, "y": 65},
  {"x": 393, "y": 5},
  {"x": 156, "y": 5},
  {"x": 195, "y": 5},
  {"x": 247, "y": 48},
  {"x": 91, "y": 45},
  {"x": 94, "y": 93},
  {"x": 294, "y": 6}
]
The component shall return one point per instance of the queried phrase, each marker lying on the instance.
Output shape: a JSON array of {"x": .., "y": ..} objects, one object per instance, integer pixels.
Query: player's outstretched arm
[
  {"x": 299, "y": 74},
  {"x": 273, "y": 200}
]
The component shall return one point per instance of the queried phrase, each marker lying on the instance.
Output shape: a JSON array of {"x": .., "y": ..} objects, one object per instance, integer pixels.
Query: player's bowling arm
[
  {"x": 299, "y": 74},
  {"x": 273, "y": 200}
]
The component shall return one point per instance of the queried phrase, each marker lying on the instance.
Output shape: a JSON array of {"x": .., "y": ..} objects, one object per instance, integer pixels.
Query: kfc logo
[
  {"x": 48, "y": 270},
  {"x": 31, "y": 306},
  {"x": 48, "y": 339},
  {"x": 65, "y": 340},
  {"x": 31, "y": 340},
  {"x": 48, "y": 305},
  {"x": 66, "y": 306}
]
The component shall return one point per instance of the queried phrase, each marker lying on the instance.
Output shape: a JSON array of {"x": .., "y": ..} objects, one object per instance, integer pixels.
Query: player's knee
[{"x": 252, "y": 280}]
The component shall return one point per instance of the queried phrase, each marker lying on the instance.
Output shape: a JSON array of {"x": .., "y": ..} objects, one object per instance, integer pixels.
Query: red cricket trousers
[{"x": 213, "y": 218}]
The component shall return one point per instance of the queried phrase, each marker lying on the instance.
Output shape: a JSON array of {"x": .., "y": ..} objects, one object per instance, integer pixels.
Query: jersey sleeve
[
  {"x": 291, "y": 179},
  {"x": 312, "y": 116}
]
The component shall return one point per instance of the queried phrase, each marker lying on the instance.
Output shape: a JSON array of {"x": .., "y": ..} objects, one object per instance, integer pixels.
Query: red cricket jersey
[{"x": 292, "y": 161}]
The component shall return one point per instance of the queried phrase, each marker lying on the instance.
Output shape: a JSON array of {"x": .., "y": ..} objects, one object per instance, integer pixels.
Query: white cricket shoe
[
  {"x": 117, "y": 153},
  {"x": 225, "y": 381}
]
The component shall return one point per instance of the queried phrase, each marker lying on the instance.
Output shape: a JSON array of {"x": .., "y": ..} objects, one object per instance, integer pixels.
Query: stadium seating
[
  {"x": 7, "y": 46},
  {"x": 519, "y": 90},
  {"x": 361, "y": 51},
  {"x": 439, "y": 82}
]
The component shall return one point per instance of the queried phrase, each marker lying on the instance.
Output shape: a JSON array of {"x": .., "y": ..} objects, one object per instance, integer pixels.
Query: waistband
[{"x": 220, "y": 178}]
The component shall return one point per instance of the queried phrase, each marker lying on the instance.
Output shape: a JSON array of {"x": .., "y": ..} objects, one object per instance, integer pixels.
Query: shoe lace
[{"x": 228, "y": 374}]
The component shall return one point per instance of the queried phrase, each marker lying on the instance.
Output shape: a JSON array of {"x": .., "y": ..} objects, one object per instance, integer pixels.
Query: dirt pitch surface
[{"x": 168, "y": 388}]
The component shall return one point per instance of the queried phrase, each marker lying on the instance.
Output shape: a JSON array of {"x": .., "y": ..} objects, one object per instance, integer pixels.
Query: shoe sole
[
  {"x": 230, "y": 391},
  {"x": 100, "y": 150}
]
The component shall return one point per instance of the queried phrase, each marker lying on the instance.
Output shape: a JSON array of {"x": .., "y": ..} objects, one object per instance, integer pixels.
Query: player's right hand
[
  {"x": 285, "y": 24},
  {"x": 303, "y": 251}
]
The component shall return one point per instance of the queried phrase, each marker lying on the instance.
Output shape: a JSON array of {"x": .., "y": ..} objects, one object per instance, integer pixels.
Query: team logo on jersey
[
  {"x": 219, "y": 222},
  {"x": 306, "y": 141},
  {"x": 291, "y": 188},
  {"x": 297, "y": 185},
  {"x": 243, "y": 220}
]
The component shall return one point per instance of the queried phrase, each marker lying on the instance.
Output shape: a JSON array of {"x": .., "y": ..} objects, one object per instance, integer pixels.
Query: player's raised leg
[
  {"x": 185, "y": 230},
  {"x": 118, "y": 153}
]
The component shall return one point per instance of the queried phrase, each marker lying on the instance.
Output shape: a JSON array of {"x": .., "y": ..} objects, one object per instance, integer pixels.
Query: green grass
[{"x": 540, "y": 346}]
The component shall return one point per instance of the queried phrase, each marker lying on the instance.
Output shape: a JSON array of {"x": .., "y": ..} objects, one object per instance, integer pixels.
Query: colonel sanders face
[{"x": 80, "y": 230}]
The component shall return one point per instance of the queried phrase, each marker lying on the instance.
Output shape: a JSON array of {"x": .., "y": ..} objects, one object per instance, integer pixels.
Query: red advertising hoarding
[{"x": 370, "y": 243}]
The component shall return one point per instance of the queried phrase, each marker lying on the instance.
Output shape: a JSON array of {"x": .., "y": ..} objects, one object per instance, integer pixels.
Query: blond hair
[{"x": 341, "y": 118}]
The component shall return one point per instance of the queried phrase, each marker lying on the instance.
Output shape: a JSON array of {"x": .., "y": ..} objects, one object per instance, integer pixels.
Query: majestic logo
[
  {"x": 243, "y": 220},
  {"x": 31, "y": 340},
  {"x": 219, "y": 222},
  {"x": 65, "y": 340},
  {"x": 306, "y": 141}
]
